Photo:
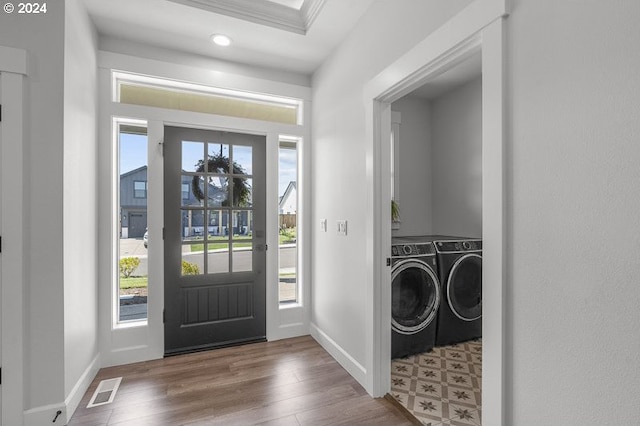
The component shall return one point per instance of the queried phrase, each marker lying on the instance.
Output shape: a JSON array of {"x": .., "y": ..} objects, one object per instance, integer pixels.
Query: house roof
[
  {"x": 287, "y": 192},
  {"x": 131, "y": 172}
]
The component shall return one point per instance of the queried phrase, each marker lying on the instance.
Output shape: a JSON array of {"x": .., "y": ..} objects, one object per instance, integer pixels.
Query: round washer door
[
  {"x": 464, "y": 287},
  {"x": 415, "y": 296}
]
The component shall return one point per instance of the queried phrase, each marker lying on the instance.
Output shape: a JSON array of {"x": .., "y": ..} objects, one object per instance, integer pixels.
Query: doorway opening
[
  {"x": 436, "y": 370},
  {"x": 466, "y": 34}
]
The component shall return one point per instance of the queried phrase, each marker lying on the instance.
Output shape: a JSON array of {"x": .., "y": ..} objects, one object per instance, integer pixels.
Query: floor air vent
[{"x": 105, "y": 393}]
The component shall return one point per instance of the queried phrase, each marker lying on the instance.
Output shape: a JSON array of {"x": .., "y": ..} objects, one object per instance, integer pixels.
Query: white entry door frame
[
  {"x": 13, "y": 70},
  {"x": 477, "y": 28}
]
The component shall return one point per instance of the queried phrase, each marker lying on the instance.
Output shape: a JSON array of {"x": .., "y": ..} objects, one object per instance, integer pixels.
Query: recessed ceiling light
[{"x": 221, "y": 39}]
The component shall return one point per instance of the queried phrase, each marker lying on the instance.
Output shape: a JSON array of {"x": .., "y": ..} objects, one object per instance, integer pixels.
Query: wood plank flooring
[{"x": 290, "y": 382}]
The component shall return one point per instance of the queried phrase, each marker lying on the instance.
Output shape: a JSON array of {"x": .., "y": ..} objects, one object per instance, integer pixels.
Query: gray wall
[
  {"x": 456, "y": 161},
  {"x": 574, "y": 196},
  {"x": 415, "y": 168},
  {"x": 441, "y": 163}
]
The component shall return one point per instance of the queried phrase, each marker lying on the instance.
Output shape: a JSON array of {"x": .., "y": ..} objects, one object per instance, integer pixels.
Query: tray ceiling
[
  {"x": 265, "y": 33},
  {"x": 289, "y": 15}
]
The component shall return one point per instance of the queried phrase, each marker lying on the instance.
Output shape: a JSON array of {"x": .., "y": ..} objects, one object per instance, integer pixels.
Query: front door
[{"x": 215, "y": 217}]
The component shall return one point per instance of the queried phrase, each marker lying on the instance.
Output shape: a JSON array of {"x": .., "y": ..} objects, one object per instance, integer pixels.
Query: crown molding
[
  {"x": 310, "y": 10},
  {"x": 263, "y": 12}
]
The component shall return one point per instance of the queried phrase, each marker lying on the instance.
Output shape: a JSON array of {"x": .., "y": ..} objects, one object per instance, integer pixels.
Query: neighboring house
[
  {"x": 133, "y": 208},
  {"x": 133, "y": 203},
  {"x": 287, "y": 204}
]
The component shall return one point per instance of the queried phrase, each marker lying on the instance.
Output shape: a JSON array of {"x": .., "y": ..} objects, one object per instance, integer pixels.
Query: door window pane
[
  {"x": 242, "y": 256},
  {"x": 218, "y": 257},
  {"x": 288, "y": 232},
  {"x": 192, "y": 259},
  {"x": 192, "y": 191},
  {"x": 217, "y": 191},
  {"x": 242, "y": 160},
  {"x": 131, "y": 261},
  {"x": 242, "y": 192},
  {"x": 192, "y": 225},
  {"x": 192, "y": 156},
  {"x": 218, "y": 225},
  {"x": 242, "y": 224},
  {"x": 218, "y": 161}
]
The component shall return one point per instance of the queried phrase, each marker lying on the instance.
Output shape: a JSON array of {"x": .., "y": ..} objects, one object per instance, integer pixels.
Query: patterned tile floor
[{"x": 441, "y": 387}]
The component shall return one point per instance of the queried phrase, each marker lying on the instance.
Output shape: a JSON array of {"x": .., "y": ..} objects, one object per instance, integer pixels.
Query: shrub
[
  {"x": 128, "y": 265},
  {"x": 189, "y": 268},
  {"x": 288, "y": 234}
]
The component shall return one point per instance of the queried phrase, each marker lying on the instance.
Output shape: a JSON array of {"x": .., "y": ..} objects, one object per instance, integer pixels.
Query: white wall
[
  {"x": 60, "y": 197},
  {"x": 43, "y": 39},
  {"x": 111, "y": 44},
  {"x": 80, "y": 200},
  {"x": 339, "y": 169},
  {"x": 415, "y": 169},
  {"x": 573, "y": 291},
  {"x": 456, "y": 161}
]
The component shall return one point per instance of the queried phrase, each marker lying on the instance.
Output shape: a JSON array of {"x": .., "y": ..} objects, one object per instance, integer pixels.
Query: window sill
[
  {"x": 284, "y": 306},
  {"x": 130, "y": 324}
]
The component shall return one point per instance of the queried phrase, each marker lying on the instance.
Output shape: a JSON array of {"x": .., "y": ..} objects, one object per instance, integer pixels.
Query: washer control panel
[
  {"x": 458, "y": 246},
  {"x": 412, "y": 250}
]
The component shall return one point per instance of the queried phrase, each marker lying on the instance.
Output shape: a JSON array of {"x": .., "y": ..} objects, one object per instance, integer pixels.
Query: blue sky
[{"x": 133, "y": 154}]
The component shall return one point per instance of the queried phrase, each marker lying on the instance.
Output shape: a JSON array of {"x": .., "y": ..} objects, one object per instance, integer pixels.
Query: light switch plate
[{"x": 342, "y": 227}]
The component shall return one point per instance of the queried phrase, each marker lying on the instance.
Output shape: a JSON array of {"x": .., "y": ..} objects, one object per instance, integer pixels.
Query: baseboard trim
[
  {"x": 130, "y": 355},
  {"x": 44, "y": 415},
  {"x": 288, "y": 331},
  {"x": 352, "y": 366},
  {"x": 81, "y": 386}
]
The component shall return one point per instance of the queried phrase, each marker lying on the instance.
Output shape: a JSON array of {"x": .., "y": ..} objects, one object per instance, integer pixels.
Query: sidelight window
[
  {"x": 131, "y": 256},
  {"x": 288, "y": 289}
]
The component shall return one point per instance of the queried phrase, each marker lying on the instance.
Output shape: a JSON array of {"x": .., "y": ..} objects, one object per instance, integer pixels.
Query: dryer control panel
[{"x": 458, "y": 246}]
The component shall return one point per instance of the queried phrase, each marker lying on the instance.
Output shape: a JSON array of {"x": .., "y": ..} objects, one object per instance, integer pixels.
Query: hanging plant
[
  {"x": 220, "y": 164},
  {"x": 395, "y": 211}
]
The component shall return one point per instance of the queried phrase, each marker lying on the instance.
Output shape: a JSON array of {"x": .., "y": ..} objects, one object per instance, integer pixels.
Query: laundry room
[{"x": 436, "y": 155}]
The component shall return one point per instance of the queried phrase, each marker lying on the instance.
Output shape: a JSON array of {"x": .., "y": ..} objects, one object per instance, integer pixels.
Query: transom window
[{"x": 155, "y": 92}]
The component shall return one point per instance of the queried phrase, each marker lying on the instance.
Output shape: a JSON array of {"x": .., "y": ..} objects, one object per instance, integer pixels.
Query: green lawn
[{"x": 133, "y": 282}]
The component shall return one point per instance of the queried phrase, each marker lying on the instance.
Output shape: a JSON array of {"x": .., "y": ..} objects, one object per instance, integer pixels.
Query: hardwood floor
[{"x": 288, "y": 382}]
